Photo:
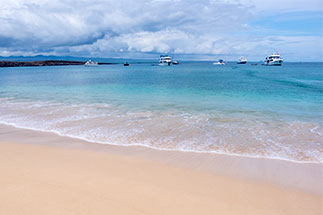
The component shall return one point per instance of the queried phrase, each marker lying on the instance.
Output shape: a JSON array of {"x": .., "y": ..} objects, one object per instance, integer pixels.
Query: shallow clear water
[{"x": 261, "y": 111}]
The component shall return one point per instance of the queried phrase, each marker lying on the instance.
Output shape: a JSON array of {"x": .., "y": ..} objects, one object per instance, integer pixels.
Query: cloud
[
  {"x": 37, "y": 25},
  {"x": 120, "y": 28}
]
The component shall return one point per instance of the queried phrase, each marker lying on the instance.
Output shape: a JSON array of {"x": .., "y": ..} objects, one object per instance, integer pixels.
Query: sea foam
[{"x": 169, "y": 130}]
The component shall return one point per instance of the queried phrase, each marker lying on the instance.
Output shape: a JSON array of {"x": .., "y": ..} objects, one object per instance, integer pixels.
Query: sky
[{"x": 144, "y": 29}]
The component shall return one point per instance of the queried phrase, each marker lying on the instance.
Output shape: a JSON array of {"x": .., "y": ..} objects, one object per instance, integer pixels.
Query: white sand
[{"x": 42, "y": 173}]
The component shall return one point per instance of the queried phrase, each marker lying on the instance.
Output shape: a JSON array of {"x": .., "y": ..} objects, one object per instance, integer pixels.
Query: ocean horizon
[
  {"x": 256, "y": 111},
  {"x": 149, "y": 59}
]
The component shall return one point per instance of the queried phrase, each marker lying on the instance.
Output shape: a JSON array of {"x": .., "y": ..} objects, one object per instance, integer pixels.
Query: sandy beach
[
  {"x": 43, "y": 173},
  {"x": 161, "y": 107}
]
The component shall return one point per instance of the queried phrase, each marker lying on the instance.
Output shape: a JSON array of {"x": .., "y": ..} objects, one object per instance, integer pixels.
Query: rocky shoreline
[{"x": 42, "y": 63}]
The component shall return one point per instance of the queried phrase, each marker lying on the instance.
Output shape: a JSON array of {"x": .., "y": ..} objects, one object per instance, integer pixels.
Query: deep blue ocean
[{"x": 258, "y": 111}]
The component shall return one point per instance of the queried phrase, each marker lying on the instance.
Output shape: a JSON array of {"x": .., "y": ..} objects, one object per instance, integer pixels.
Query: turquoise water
[{"x": 260, "y": 111}]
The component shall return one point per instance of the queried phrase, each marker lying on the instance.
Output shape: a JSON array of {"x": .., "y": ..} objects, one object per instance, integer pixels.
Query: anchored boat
[
  {"x": 165, "y": 60},
  {"x": 219, "y": 62},
  {"x": 274, "y": 60},
  {"x": 91, "y": 63},
  {"x": 242, "y": 60}
]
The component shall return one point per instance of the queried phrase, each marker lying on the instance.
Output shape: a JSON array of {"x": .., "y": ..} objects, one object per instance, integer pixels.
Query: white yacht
[
  {"x": 165, "y": 60},
  {"x": 91, "y": 63},
  {"x": 219, "y": 62},
  {"x": 242, "y": 60},
  {"x": 274, "y": 60}
]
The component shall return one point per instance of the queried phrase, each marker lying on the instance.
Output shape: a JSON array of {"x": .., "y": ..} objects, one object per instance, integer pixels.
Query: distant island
[{"x": 43, "y": 63}]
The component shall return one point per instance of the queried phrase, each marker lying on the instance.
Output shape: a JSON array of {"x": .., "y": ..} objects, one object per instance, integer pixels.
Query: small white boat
[
  {"x": 219, "y": 62},
  {"x": 165, "y": 60},
  {"x": 175, "y": 62},
  {"x": 91, "y": 63},
  {"x": 274, "y": 60},
  {"x": 242, "y": 60}
]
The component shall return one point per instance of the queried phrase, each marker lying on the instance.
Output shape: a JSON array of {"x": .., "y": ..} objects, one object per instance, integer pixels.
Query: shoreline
[
  {"x": 295, "y": 175},
  {"x": 44, "y": 63},
  {"x": 50, "y": 174},
  {"x": 162, "y": 149}
]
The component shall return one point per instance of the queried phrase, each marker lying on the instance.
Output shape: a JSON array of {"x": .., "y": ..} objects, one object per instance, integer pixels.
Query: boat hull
[
  {"x": 92, "y": 65},
  {"x": 275, "y": 63},
  {"x": 164, "y": 64}
]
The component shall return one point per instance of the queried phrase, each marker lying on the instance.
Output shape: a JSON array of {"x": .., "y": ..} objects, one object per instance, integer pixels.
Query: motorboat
[
  {"x": 126, "y": 64},
  {"x": 165, "y": 60},
  {"x": 175, "y": 62},
  {"x": 274, "y": 60},
  {"x": 219, "y": 62},
  {"x": 91, "y": 63},
  {"x": 242, "y": 60}
]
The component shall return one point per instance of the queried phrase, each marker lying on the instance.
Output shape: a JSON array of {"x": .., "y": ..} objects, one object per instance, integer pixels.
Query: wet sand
[{"x": 43, "y": 173}]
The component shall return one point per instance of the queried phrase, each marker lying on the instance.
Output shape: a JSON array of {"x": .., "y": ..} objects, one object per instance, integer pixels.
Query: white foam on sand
[{"x": 169, "y": 130}]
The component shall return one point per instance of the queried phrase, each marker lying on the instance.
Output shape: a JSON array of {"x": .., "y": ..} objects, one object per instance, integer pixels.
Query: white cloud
[
  {"x": 105, "y": 27},
  {"x": 39, "y": 25}
]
